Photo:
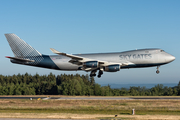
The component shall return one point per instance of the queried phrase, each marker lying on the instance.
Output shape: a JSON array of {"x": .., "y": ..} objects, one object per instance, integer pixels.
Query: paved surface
[
  {"x": 28, "y": 119},
  {"x": 35, "y": 119},
  {"x": 92, "y": 98}
]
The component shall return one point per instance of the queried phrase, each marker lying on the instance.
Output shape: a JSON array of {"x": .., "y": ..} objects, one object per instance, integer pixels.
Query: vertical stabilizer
[{"x": 20, "y": 48}]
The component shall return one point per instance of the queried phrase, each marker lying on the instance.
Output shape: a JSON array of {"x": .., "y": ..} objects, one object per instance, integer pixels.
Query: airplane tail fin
[{"x": 20, "y": 48}]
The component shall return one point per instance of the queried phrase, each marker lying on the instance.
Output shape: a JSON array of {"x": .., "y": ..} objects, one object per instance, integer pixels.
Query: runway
[
  {"x": 33, "y": 119},
  {"x": 92, "y": 98}
]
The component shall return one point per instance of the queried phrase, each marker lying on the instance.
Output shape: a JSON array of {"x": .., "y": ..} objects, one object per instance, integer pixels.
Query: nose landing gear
[{"x": 158, "y": 70}]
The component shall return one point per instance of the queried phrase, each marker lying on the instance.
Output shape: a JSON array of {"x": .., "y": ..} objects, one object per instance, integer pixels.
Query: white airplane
[{"x": 109, "y": 62}]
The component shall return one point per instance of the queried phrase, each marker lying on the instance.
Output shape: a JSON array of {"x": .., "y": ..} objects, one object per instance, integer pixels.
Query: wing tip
[{"x": 57, "y": 52}]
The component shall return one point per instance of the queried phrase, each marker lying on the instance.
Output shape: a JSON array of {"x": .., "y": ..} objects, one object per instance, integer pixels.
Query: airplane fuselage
[
  {"x": 109, "y": 62},
  {"x": 138, "y": 58}
]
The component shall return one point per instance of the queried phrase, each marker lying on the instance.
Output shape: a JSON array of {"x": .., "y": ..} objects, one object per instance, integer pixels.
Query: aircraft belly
[{"x": 67, "y": 66}]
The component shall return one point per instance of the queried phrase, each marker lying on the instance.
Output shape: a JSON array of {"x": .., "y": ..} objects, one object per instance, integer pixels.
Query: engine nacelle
[
  {"x": 91, "y": 64},
  {"x": 112, "y": 68}
]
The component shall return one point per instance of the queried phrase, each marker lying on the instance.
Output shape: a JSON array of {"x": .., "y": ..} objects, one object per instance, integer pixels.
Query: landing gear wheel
[
  {"x": 99, "y": 76},
  {"x": 92, "y": 75},
  {"x": 100, "y": 73},
  {"x": 157, "y": 72}
]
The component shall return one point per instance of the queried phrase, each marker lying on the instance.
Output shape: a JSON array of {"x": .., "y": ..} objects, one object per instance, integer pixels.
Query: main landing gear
[
  {"x": 100, "y": 73},
  {"x": 158, "y": 70},
  {"x": 93, "y": 73}
]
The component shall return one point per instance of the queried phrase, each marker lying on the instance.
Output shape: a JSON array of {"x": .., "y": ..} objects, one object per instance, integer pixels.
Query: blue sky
[{"x": 94, "y": 26}]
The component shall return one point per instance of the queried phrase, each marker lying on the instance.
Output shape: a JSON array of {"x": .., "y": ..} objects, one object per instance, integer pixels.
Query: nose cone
[{"x": 170, "y": 58}]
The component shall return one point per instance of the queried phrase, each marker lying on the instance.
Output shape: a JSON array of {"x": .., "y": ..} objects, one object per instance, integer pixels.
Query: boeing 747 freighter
[{"x": 108, "y": 62}]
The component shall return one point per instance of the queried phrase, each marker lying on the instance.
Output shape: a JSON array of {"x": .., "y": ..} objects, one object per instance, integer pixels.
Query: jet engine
[
  {"x": 91, "y": 64},
  {"x": 112, "y": 68}
]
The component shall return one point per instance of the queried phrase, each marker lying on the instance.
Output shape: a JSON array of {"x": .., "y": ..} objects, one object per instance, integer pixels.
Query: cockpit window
[{"x": 162, "y": 50}]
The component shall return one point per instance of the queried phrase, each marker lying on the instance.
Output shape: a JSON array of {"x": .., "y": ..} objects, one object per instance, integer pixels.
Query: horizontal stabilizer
[{"x": 20, "y": 59}]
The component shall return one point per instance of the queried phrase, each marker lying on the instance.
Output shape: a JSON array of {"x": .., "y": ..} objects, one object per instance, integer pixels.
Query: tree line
[{"x": 27, "y": 84}]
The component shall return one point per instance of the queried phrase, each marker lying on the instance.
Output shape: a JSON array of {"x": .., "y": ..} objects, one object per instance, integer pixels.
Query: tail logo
[{"x": 23, "y": 50}]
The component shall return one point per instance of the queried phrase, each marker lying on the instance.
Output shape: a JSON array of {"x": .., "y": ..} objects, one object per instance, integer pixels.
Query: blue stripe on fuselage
[{"x": 47, "y": 63}]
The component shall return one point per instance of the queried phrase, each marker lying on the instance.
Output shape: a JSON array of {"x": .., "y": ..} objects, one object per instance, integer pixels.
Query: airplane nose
[{"x": 170, "y": 58}]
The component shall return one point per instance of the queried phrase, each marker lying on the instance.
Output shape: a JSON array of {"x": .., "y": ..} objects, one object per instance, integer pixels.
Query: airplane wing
[
  {"x": 74, "y": 57},
  {"x": 20, "y": 59},
  {"x": 87, "y": 64},
  {"x": 68, "y": 55}
]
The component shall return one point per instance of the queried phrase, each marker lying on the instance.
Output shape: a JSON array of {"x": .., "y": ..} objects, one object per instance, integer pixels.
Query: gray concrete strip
[
  {"x": 93, "y": 98},
  {"x": 36, "y": 119},
  {"x": 28, "y": 119},
  {"x": 21, "y": 97}
]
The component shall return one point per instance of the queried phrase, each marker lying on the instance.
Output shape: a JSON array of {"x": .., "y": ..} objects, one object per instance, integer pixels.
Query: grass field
[{"x": 164, "y": 109}]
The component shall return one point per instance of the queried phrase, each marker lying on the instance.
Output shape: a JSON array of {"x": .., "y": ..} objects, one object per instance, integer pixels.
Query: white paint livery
[{"x": 109, "y": 62}]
